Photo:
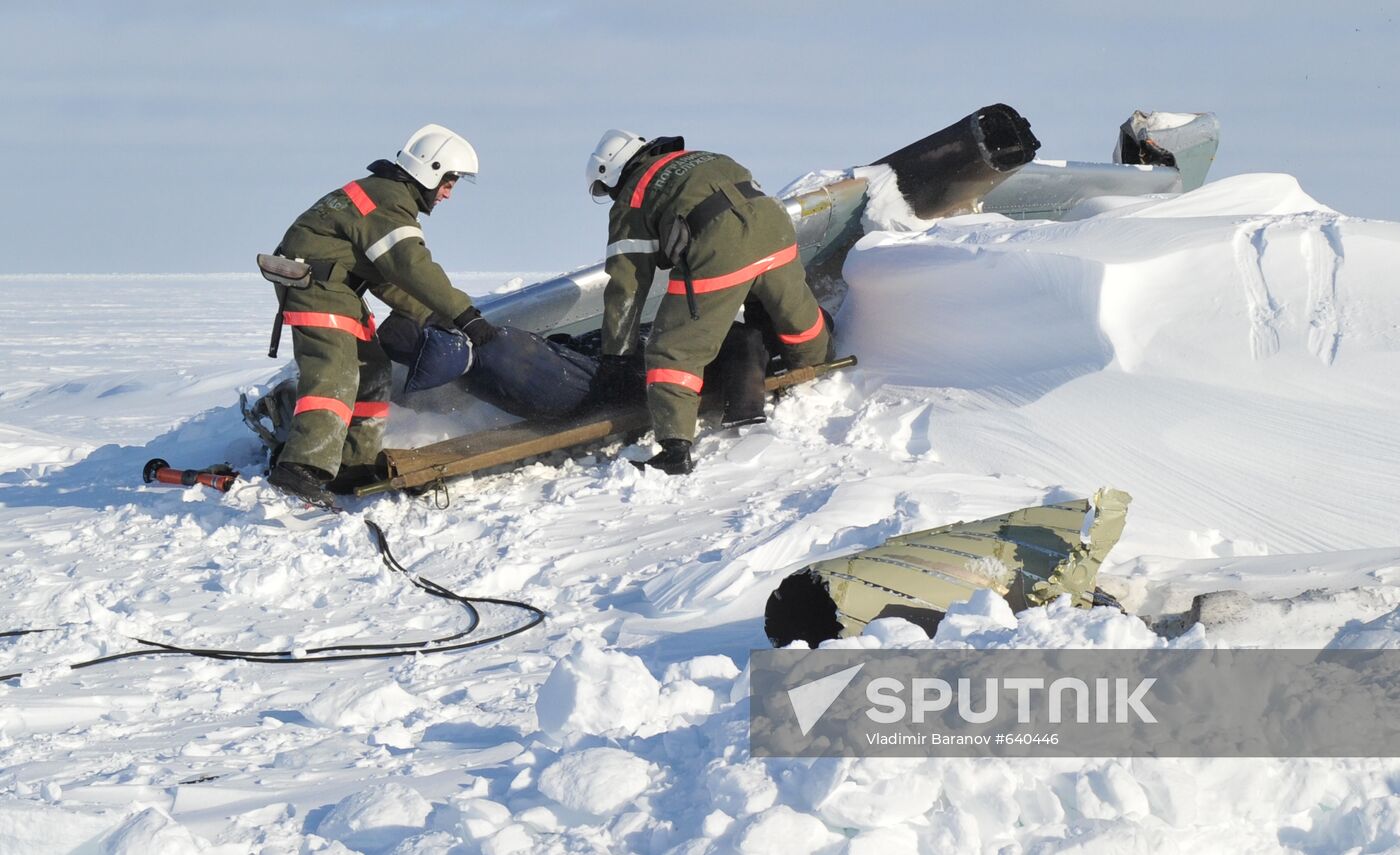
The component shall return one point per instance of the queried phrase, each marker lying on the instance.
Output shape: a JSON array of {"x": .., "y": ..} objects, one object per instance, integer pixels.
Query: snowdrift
[{"x": 1228, "y": 354}]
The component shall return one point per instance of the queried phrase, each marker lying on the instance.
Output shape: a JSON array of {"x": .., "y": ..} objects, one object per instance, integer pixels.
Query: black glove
[
  {"x": 617, "y": 380},
  {"x": 477, "y": 328}
]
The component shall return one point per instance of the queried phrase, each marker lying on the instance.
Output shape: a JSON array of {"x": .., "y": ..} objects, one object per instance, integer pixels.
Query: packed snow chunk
[
  {"x": 1111, "y": 793},
  {"x": 691, "y": 690},
  {"x": 1361, "y": 823},
  {"x": 983, "y": 791},
  {"x": 1039, "y": 805},
  {"x": 595, "y": 691},
  {"x": 393, "y": 735},
  {"x": 895, "y": 632},
  {"x": 509, "y": 840},
  {"x": 716, "y": 823},
  {"x": 1171, "y": 791},
  {"x": 33, "y": 827},
  {"x": 886, "y": 209},
  {"x": 740, "y": 789},
  {"x": 1383, "y": 633},
  {"x": 1060, "y": 625},
  {"x": 481, "y": 818},
  {"x": 262, "y": 583},
  {"x": 540, "y": 819},
  {"x": 986, "y": 622},
  {"x": 350, "y": 703},
  {"x": 781, "y": 830},
  {"x": 685, "y": 702},
  {"x": 955, "y": 830},
  {"x": 432, "y": 843},
  {"x": 712, "y": 670},
  {"x": 880, "y": 805},
  {"x": 986, "y": 614},
  {"x": 377, "y": 817},
  {"x": 152, "y": 832},
  {"x": 597, "y": 781},
  {"x": 880, "y": 792},
  {"x": 900, "y": 840}
]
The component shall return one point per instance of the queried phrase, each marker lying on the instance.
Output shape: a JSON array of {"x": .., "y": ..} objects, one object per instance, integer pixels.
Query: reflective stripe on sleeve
[
  {"x": 807, "y": 334},
  {"x": 316, "y": 402},
  {"x": 325, "y": 320},
  {"x": 738, "y": 277},
  {"x": 678, "y": 378},
  {"x": 363, "y": 203},
  {"x": 371, "y": 410},
  {"x": 387, "y": 242},
  {"x": 622, "y": 247},
  {"x": 641, "y": 190}
]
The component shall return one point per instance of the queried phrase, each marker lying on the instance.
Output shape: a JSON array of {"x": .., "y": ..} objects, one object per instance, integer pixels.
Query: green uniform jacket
[
  {"x": 652, "y": 194},
  {"x": 369, "y": 229}
]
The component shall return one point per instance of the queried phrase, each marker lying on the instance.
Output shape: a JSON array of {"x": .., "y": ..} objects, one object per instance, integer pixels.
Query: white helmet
[
  {"x": 434, "y": 152},
  {"x": 605, "y": 164}
]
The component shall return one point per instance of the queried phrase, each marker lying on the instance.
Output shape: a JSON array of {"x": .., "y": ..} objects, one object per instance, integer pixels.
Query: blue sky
[{"x": 184, "y": 137}]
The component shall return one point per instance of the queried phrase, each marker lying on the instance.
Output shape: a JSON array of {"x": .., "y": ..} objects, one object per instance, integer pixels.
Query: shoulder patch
[{"x": 363, "y": 203}]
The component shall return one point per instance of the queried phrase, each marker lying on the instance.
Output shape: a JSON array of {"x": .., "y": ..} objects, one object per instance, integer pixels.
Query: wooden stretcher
[{"x": 410, "y": 468}]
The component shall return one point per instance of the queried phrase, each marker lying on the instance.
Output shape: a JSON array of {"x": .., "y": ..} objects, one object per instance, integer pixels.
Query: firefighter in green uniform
[
  {"x": 700, "y": 214},
  {"x": 364, "y": 237}
]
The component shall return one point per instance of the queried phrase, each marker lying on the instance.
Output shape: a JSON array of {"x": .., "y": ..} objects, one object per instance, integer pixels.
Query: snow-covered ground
[{"x": 1228, "y": 357}]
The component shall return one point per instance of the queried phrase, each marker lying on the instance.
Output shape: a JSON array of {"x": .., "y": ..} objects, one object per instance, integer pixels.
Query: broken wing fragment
[{"x": 1029, "y": 556}]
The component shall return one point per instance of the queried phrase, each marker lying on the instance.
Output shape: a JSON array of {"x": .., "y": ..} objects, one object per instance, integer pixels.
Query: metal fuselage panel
[
  {"x": 1047, "y": 189},
  {"x": 572, "y": 302}
]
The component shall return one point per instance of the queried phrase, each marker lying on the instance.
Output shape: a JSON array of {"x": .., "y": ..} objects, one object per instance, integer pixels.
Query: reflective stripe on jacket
[{"x": 369, "y": 230}]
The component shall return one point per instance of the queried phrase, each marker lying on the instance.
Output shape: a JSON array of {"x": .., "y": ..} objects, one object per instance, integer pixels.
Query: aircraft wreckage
[{"x": 982, "y": 163}]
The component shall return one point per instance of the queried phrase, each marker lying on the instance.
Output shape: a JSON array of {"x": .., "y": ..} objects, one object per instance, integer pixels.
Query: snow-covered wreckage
[{"x": 982, "y": 163}]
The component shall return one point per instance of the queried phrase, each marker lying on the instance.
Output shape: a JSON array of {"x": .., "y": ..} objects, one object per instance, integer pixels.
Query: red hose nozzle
[{"x": 220, "y": 478}]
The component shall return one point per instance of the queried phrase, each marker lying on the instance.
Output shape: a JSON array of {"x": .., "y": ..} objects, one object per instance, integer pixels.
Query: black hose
[{"x": 441, "y": 644}]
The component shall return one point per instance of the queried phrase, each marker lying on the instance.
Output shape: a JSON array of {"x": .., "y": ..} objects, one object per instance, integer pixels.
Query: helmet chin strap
[
  {"x": 427, "y": 197},
  {"x": 389, "y": 169}
]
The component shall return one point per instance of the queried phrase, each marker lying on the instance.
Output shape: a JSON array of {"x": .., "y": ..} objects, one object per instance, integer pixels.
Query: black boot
[
  {"x": 358, "y": 475},
  {"x": 303, "y": 482},
  {"x": 742, "y": 362},
  {"x": 674, "y": 458}
]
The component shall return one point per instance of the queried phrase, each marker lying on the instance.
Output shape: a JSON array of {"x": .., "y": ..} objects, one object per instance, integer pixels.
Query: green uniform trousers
[
  {"x": 343, "y": 388},
  {"x": 731, "y": 261}
]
